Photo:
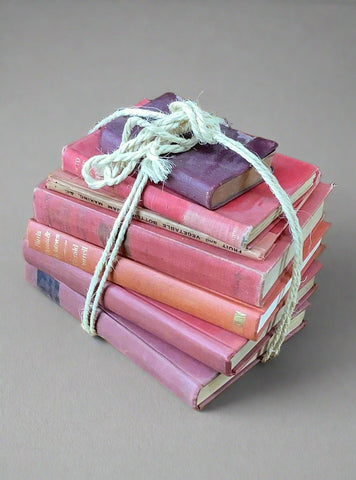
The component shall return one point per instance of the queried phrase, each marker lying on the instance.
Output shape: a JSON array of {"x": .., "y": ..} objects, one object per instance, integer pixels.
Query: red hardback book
[
  {"x": 192, "y": 381},
  {"x": 233, "y": 315},
  {"x": 218, "y": 270},
  {"x": 211, "y": 345},
  {"x": 236, "y": 224}
]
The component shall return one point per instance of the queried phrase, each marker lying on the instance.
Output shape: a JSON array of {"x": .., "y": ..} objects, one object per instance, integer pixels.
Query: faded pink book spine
[
  {"x": 136, "y": 345},
  {"x": 161, "y": 201},
  {"x": 194, "y": 261},
  {"x": 178, "y": 372},
  {"x": 214, "y": 347}
]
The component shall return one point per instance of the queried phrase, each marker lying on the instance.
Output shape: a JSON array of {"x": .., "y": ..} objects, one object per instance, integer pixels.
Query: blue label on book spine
[{"x": 48, "y": 285}]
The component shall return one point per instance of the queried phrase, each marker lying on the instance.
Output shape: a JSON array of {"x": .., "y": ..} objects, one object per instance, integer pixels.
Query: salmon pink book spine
[{"x": 237, "y": 317}]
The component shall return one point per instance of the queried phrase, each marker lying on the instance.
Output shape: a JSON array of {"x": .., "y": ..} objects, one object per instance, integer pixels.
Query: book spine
[
  {"x": 234, "y": 316},
  {"x": 133, "y": 343},
  {"x": 185, "y": 259},
  {"x": 183, "y": 333},
  {"x": 104, "y": 200},
  {"x": 171, "y": 206}
]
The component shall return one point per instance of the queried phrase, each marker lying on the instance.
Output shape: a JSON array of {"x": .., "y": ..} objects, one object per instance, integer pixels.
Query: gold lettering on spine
[
  {"x": 38, "y": 238},
  {"x": 75, "y": 250},
  {"x": 239, "y": 319},
  {"x": 47, "y": 236},
  {"x": 56, "y": 244},
  {"x": 84, "y": 256}
]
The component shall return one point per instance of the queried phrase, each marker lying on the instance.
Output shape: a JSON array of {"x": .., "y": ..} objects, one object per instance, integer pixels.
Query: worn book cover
[
  {"x": 210, "y": 175},
  {"x": 233, "y": 226},
  {"x": 218, "y": 270},
  {"x": 233, "y": 315},
  {"x": 192, "y": 381},
  {"x": 208, "y": 343}
]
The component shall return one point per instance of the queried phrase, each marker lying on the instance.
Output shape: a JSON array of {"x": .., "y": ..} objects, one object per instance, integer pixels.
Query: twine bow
[
  {"x": 161, "y": 136},
  {"x": 149, "y": 152}
]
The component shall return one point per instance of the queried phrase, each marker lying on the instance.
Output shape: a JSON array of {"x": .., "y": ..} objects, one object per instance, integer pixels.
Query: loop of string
[{"x": 149, "y": 153}]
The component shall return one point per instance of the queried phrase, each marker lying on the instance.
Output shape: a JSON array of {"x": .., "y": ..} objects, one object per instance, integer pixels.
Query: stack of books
[{"x": 205, "y": 268}]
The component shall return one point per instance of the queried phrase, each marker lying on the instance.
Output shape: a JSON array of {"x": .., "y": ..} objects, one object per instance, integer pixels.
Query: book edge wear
[{"x": 190, "y": 380}]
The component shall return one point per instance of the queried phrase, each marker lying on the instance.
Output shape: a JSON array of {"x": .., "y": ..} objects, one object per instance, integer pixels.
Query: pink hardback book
[
  {"x": 236, "y": 223},
  {"x": 189, "y": 379},
  {"x": 218, "y": 270},
  {"x": 212, "y": 345},
  {"x": 238, "y": 317},
  {"x": 259, "y": 248}
]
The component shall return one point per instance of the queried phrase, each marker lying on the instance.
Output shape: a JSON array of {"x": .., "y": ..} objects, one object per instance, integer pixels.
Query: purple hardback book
[
  {"x": 218, "y": 348},
  {"x": 207, "y": 174},
  {"x": 189, "y": 379}
]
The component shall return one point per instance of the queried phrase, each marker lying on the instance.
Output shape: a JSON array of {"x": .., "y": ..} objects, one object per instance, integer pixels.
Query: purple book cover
[
  {"x": 199, "y": 172},
  {"x": 180, "y": 373}
]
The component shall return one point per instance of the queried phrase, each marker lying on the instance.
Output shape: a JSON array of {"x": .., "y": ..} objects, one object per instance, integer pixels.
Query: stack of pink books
[{"x": 202, "y": 277}]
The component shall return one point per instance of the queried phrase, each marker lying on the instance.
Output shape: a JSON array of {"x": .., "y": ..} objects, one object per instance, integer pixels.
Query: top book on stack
[{"x": 210, "y": 175}]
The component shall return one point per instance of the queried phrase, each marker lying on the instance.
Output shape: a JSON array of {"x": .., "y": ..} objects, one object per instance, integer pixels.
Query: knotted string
[{"x": 160, "y": 136}]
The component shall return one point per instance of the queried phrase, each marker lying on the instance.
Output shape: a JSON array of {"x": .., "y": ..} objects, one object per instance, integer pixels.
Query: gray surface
[{"x": 72, "y": 407}]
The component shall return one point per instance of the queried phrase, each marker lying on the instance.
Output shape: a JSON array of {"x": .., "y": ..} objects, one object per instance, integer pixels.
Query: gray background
[{"x": 72, "y": 407}]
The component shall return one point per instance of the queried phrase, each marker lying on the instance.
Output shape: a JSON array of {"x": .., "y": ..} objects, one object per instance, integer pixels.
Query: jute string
[{"x": 149, "y": 153}]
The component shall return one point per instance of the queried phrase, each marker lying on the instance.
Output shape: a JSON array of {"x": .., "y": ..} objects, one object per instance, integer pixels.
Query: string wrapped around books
[{"x": 149, "y": 153}]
